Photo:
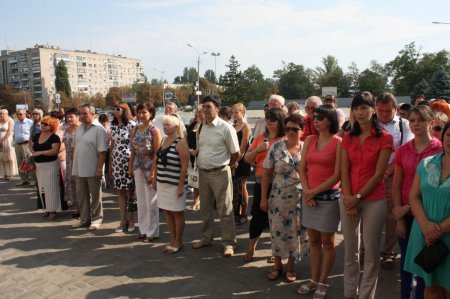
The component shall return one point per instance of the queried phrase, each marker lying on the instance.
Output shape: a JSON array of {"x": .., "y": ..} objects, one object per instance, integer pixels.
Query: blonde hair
[
  {"x": 4, "y": 111},
  {"x": 173, "y": 119},
  {"x": 440, "y": 116},
  {"x": 239, "y": 106}
]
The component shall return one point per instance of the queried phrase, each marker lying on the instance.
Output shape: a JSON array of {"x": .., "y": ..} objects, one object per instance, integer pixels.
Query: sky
[{"x": 257, "y": 32}]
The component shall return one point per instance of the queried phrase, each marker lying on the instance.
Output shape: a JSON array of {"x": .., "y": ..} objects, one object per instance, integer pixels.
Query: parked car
[{"x": 99, "y": 111}]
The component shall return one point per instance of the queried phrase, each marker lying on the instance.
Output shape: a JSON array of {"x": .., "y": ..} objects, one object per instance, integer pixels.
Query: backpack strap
[{"x": 401, "y": 131}]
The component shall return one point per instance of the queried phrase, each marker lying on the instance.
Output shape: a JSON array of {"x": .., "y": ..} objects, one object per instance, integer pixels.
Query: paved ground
[{"x": 42, "y": 259}]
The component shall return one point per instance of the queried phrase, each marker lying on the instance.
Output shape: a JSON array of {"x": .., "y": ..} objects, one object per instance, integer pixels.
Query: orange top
[{"x": 259, "y": 159}]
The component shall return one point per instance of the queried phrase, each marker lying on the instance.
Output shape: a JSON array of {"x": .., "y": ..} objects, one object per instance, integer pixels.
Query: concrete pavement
[{"x": 44, "y": 259}]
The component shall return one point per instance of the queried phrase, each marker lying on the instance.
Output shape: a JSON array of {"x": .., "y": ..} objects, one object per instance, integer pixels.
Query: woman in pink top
[
  {"x": 365, "y": 155},
  {"x": 407, "y": 159},
  {"x": 320, "y": 174}
]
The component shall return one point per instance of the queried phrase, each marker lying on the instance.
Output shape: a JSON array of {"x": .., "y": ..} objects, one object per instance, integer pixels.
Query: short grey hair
[
  {"x": 314, "y": 99},
  {"x": 279, "y": 98},
  {"x": 4, "y": 111},
  {"x": 91, "y": 108},
  {"x": 170, "y": 103}
]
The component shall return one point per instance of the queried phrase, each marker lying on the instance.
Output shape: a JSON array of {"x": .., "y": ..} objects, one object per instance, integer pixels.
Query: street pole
[
  {"x": 215, "y": 65},
  {"x": 197, "y": 85},
  {"x": 162, "y": 87},
  {"x": 441, "y": 23}
]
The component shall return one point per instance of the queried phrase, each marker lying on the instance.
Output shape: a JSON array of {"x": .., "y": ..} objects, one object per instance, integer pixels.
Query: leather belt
[
  {"x": 20, "y": 143},
  {"x": 213, "y": 169}
]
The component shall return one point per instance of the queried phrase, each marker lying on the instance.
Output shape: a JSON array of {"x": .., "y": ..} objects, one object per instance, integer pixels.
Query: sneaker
[
  {"x": 228, "y": 251},
  {"x": 200, "y": 244},
  {"x": 80, "y": 225},
  {"x": 94, "y": 226},
  {"x": 22, "y": 184}
]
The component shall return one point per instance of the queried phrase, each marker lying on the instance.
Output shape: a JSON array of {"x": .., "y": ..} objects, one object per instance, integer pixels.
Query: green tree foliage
[
  {"x": 294, "y": 82},
  {"x": 331, "y": 74},
  {"x": 373, "y": 79},
  {"x": 403, "y": 70},
  {"x": 210, "y": 76},
  {"x": 256, "y": 88},
  {"x": 115, "y": 94},
  {"x": 80, "y": 98},
  {"x": 9, "y": 97},
  {"x": 232, "y": 83},
  {"x": 143, "y": 93},
  {"x": 439, "y": 86},
  {"x": 98, "y": 100},
  {"x": 62, "y": 79}
]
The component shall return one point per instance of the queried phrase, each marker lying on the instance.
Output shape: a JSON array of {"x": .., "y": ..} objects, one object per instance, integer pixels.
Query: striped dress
[{"x": 167, "y": 177}]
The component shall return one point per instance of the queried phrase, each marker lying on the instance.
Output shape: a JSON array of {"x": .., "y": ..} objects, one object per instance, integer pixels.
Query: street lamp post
[
  {"x": 215, "y": 63},
  {"x": 441, "y": 23},
  {"x": 197, "y": 89},
  {"x": 162, "y": 87}
]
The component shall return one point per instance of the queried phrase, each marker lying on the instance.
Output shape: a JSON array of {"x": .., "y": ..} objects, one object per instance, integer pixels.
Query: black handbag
[
  {"x": 132, "y": 201},
  {"x": 430, "y": 257}
]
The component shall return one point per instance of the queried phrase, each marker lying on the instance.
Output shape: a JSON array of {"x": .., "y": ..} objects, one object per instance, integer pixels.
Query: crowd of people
[{"x": 315, "y": 173}]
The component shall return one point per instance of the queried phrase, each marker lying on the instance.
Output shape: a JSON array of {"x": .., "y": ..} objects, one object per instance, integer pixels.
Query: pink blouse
[
  {"x": 408, "y": 159},
  {"x": 320, "y": 163}
]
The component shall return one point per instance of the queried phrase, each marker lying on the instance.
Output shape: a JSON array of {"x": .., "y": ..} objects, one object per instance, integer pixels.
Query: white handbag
[{"x": 193, "y": 175}]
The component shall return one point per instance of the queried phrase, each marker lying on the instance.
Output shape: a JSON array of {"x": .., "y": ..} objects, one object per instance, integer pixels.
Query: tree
[
  {"x": 256, "y": 88},
  {"x": 353, "y": 75},
  {"x": 115, "y": 94},
  {"x": 403, "y": 70},
  {"x": 210, "y": 76},
  {"x": 293, "y": 81},
  {"x": 143, "y": 93},
  {"x": 9, "y": 98},
  {"x": 439, "y": 86},
  {"x": 62, "y": 79},
  {"x": 331, "y": 74},
  {"x": 98, "y": 100},
  {"x": 80, "y": 98},
  {"x": 373, "y": 79},
  {"x": 232, "y": 83}
]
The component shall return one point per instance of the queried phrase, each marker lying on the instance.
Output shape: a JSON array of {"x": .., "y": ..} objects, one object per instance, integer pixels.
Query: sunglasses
[
  {"x": 318, "y": 117},
  {"x": 271, "y": 119},
  {"x": 44, "y": 124},
  {"x": 291, "y": 129},
  {"x": 117, "y": 109},
  {"x": 437, "y": 128},
  {"x": 35, "y": 113}
]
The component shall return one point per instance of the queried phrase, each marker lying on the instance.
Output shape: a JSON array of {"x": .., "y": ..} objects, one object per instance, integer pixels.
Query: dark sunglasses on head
[
  {"x": 44, "y": 124},
  {"x": 319, "y": 117},
  {"x": 437, "y": 128},
  {"x": 117, "y": 109},
  {"x": 291, "y": 129}
]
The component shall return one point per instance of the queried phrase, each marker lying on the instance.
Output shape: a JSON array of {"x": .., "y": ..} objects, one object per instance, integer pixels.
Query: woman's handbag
[
  {"x": 430, "y": 257},
  {"x": 132, "y": 200},
  {"x": 27, "y": 165},
  {"x": 193, "y": 175}
]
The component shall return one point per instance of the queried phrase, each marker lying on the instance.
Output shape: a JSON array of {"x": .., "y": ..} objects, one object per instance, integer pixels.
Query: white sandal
[
  {"x": 321, "y": 293},
  {"x": 305, "y": 289}
]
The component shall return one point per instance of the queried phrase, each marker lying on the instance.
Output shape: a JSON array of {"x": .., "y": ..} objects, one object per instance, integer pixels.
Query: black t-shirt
[{"x": 47, "y": 145}]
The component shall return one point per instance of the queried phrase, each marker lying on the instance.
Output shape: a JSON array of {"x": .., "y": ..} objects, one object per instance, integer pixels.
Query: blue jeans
[{"x": 407, "y": 278}]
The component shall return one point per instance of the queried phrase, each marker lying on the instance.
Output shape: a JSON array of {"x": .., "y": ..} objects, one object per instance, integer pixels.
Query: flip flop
[
  {"x": 291, "y": 276},
  {"x": 173, "y": 249},
  {"x": 274, "y": 273}
]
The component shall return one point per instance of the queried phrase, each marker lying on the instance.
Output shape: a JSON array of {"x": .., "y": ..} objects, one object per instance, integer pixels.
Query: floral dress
[
  {"x": 284, "y": 203},
  {"x": 120, "y": 155},
  {"x": 69, "y": 182},
  {"x": 143, "y": 148}
]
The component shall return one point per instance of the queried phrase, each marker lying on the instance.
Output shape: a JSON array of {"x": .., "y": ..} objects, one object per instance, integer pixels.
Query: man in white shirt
[
  {"x": 22, "y": 136},
  {"x": 399, "y": 129},
  {"x": 218, "y": 148},
  {"x": 89, "y": 157}
]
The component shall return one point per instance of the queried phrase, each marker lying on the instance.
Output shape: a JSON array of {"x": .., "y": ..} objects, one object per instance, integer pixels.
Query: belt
[
  {"x": 20, "y": 143},
  {"x": 213, "y": 169}
]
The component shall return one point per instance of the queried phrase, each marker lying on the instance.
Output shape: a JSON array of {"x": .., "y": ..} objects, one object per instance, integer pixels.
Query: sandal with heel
[
  {"x": 306, "y": 288},
  {"x": 321, "y": 291}
]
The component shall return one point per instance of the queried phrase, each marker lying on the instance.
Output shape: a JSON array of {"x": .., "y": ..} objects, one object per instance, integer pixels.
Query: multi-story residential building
[{"x": 33, "y": 70}]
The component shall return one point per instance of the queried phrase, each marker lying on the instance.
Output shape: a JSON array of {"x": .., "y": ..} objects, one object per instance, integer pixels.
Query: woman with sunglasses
[
  {"x": 440, "y": 119},
  {"x": 274, "y": 123},
  {"x": 172, "y": 162},
  {"x": 44, "y": 149},
  {"x": 365, "y": 155},
  {"x": 120, "y": 152},
  {"x": 407, "y": 159},
  {"x": 280, "y": 171},
  {"x": 320, "y": 173}
]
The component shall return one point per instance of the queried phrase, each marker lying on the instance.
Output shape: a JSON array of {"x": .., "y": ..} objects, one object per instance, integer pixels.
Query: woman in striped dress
[
  {"x": 172, "y": 162},
  {"x": 44, "y": 149}
]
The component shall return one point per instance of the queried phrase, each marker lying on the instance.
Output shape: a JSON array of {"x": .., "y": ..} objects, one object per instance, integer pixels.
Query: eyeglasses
[
  {"x": 117, "y": 109},
  {"x": 307, "y": 108},
  {"x": 44, "y": 124},
  {"x": 35, "y": 113},
  {"x": 291, "y": 129},
  {"x": 437, "y": 128},
  {"x": 271, "y": 118},
  {"x": 318, "y": 117}
]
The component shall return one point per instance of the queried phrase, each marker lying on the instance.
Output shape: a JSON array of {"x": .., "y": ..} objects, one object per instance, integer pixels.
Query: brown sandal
[
  {"x": 141, "y": 236},
  {"x": 248, "y": 257},
  {"x": 274, "y": 273},
  {"x": 291, "y": 276}
]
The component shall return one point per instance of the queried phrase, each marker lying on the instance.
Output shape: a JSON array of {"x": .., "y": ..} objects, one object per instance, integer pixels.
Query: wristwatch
[{"x": 358, "y": 196}]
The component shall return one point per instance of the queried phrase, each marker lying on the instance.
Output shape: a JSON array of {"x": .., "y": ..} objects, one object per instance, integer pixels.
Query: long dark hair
[
  {"x": 365, "y": 98},
  {"x": 278, "y": 115},
  {"x": 126, "y": 113}
]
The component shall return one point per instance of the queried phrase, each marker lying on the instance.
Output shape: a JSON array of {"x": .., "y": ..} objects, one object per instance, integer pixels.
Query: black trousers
[{"x": 260, "y": 219}]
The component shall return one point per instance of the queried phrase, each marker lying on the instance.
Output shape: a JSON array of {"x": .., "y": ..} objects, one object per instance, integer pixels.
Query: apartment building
[{"x": 89, "y": 72}]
